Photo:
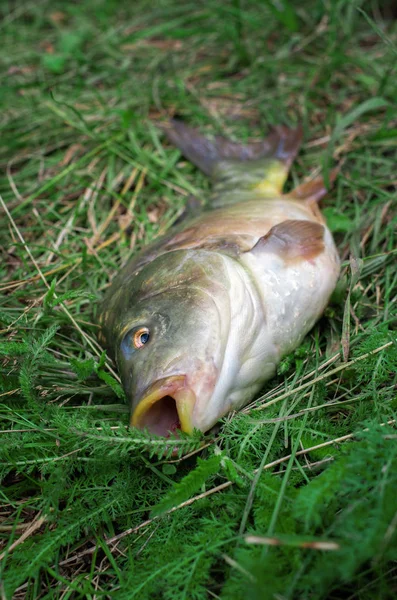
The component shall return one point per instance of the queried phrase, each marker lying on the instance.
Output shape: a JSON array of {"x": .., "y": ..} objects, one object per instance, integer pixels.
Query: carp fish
[{"x": 198, "y": 320}]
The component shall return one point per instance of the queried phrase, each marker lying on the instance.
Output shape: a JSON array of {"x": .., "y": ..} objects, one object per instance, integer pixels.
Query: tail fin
[{"x": 282, "y": 145}]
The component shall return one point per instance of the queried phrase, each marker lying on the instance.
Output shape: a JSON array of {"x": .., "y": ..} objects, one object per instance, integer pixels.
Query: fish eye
[
  {"x": 141, "y": 337},
  {"x": 134, "y": 339}
]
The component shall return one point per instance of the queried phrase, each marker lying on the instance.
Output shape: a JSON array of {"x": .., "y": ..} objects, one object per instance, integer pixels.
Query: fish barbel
[{"x": 199, "y": 320}]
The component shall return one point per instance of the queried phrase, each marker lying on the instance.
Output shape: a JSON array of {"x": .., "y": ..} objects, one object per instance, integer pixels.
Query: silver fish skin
[{"x": 199, "y": 320}]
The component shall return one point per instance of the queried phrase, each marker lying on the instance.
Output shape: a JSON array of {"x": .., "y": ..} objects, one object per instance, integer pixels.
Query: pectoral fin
[{"x": 292, "y": 241}]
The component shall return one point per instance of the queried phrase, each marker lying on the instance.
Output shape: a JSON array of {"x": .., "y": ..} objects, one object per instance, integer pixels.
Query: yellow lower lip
[{"x": 170, "y": 386}]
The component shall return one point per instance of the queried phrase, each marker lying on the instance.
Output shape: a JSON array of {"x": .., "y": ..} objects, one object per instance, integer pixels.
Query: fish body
[{"x": 199, "y": 320}]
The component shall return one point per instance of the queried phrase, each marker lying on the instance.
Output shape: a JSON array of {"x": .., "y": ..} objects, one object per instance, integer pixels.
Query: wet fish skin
[{"x": 224, "y": 296}]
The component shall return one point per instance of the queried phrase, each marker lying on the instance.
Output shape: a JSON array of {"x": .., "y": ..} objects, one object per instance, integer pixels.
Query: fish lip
[{"x": 174, "y": 386}]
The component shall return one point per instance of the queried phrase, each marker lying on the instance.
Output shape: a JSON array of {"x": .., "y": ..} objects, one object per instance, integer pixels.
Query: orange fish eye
[{"x": 141, "y": 337}]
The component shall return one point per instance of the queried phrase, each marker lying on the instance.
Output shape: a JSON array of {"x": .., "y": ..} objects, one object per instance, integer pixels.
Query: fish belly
[
  {"x": 274, "y": 304},
  {"x": 293, "y": 295}
]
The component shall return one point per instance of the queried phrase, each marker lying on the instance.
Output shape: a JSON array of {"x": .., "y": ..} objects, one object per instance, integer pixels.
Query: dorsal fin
[
  {"x": 261, "y": 166},
  {"x": 312, "y": 191}
]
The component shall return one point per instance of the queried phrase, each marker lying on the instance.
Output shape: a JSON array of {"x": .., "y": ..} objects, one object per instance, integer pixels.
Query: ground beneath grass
[{"x": 294, "y": 497}]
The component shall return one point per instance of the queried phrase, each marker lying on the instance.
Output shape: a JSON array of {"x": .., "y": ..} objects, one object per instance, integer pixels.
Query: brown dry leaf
[
  {"x": 70, "y": 152},
  {"x": 58, "y": 17},
  {"x": 154, "y": 213},
  {"x": 20, "y": 70},
  {"x": 47, "y": 46},
  {"x": 231, "y": 108},
  {"x": 37, "y": 522},
  {"x": 196, "y": 75},
  {"x": 124, "y": 221},
  {"x": 28, "y": 92},
  {"x": 160, "y": 44}
]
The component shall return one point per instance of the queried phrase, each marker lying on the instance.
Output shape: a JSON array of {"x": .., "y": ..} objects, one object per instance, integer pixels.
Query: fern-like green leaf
[
  {"x": 83, "y": 367},
  {"x": 30, "y": 366},
  {"x": 110, "y": 380},
  {"x": 192, "y": 482}
]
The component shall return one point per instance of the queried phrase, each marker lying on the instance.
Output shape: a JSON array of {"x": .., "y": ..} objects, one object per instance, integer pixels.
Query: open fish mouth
[{"x": 165, "y": 407}]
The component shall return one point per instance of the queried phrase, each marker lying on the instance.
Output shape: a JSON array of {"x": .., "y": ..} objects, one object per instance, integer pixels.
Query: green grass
[{"x": 90, "y": 509}]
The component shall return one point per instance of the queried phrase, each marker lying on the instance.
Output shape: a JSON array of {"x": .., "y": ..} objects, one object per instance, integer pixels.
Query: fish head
[{"x": 166, "y": 324}]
